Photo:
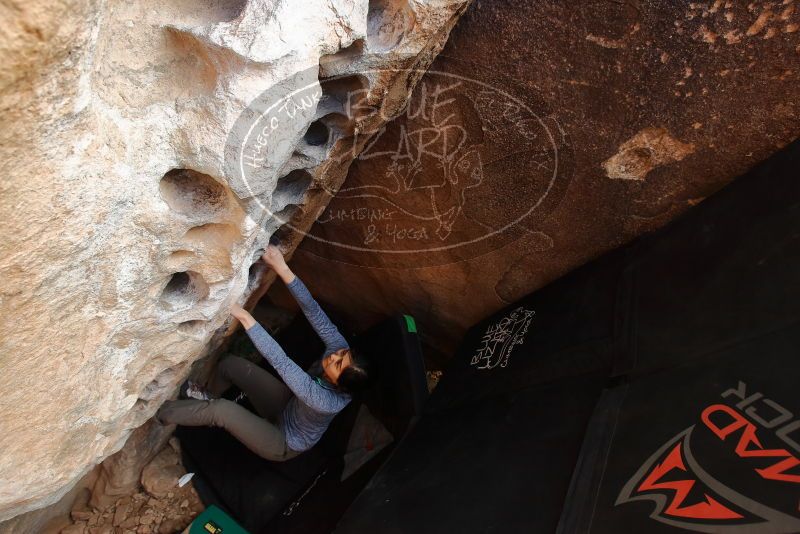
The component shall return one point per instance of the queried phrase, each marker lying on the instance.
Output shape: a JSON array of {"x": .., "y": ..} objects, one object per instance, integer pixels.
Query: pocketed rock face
[
  {"x": 550, "y": 133},
  {"x": 124, "y": 242}
]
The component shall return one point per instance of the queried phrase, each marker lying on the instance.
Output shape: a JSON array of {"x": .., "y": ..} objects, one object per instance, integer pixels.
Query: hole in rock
[
  {"x": 192, "y": 328},
  {"x": 286, "y": 214},
  {"x": 210, "y": 11},
  {"x": 255, "y": 274},
  {"x": 346, "y": 95},
  {"x": 282, "y": 235},
  {"x": 188, "y": 57},
  {"x": 193, "y": 193},
  {"x": 317, "y": 133},
  {"x": 181, "y": 255},
  {"x": 291, "y": 189},
  {"x": 356, "y": 48},
  {"x": 338, "y": 124},
  {"x": 184, "y": 289},
  {"x": 281, "y": 219},
  {"x": 215, "y": 235},
  {"x": 331, "y": 64},
  {"x": 387, "y": 23},
  {"x": 180, "y": 259},
  {"x": 298, "y": 160}
]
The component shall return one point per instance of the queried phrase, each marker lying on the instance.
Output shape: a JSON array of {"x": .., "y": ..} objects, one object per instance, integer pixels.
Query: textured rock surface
[
  {"x": 123, "y": 241},
  {"x": 162, "y": 507},
  {"x": 577, "y": 125},
  {"x": 120, "y": 473}
]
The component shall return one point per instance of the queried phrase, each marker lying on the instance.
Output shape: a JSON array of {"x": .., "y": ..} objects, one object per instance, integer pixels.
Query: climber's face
[{"x": 336, "y": 362}]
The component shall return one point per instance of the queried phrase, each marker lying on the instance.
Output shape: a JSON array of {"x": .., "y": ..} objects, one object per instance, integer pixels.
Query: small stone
[
  {"x": 146, "y": 519},
  {"x": 81, "y": 515},
  {"x": 120, "y": 514},
  {"x": 161, "y": 475},
  {"x": 131, "y": 522},
  {"x": 136, "y": 507},
  {"x": 184, "y": 503},
  {"x": 77, "y": 528},
  {"x": 170, "y": 526}
]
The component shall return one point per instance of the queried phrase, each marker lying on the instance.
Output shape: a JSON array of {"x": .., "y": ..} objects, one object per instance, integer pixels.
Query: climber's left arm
[{"x": 243, "y": 315}]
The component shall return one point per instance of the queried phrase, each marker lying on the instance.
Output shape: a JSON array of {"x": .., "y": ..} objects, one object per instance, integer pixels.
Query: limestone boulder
[{"x": 124, "y": 238}]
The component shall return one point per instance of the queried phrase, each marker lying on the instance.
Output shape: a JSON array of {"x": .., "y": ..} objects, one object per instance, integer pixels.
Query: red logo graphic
[
  {"x": 688, "y": 497},
  {"x": 709, "y": 509},
  {"x": 749, "y": 445}
]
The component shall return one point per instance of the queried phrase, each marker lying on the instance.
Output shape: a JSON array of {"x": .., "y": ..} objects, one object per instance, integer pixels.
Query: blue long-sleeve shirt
[{"x": 314, "y": 405}]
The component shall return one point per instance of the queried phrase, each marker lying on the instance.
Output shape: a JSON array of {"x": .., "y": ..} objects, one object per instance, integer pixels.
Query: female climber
[{"x": 295, "y": 412}]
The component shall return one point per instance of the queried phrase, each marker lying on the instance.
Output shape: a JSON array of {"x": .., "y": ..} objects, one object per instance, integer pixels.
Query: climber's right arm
[{"x": 319, "y": 320}]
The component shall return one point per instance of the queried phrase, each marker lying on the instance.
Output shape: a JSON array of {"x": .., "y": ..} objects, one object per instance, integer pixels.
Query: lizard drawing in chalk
[{"x": 444, "y": 199}]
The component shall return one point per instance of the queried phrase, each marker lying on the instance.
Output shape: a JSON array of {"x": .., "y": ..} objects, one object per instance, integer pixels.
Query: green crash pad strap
[{"x": 411, "y": 325}]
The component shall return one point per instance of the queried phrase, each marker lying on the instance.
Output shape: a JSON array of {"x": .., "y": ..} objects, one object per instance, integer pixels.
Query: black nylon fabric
[
  {"x": 659, "y": 406},
  {"x": 479, "y": 469},
  {"x": 622, "y": 356}
]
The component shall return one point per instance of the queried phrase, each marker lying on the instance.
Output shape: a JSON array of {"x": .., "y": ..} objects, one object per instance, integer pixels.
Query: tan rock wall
[{"x": 124, "y": 237}]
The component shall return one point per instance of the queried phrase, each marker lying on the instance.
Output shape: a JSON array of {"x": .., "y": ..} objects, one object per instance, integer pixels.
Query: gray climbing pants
[{"x": 267, "y": 394}]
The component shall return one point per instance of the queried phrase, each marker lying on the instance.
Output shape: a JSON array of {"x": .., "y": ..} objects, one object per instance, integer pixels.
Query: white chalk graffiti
[
  {"x": 500, "y": 339},
  {"x": 433, "y": 138}
]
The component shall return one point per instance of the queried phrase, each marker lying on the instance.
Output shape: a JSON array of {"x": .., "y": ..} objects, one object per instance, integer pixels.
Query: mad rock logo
[{"x": 687, "y": 496}]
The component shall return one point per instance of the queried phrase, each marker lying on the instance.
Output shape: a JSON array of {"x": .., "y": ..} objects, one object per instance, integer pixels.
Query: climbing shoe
[{"x": 192, "y": 390}]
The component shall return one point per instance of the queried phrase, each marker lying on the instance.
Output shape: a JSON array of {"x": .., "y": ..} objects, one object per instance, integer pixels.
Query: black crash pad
[
  {"x": 500, "y": 464},
  {"x": 566, "y": 329},
  {"x": 697, "y": 447},
  {"x": 703, "y": 313}
]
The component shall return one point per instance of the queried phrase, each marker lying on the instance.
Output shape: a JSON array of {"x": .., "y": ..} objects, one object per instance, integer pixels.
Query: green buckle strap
[{"x": 215, "y": 521}]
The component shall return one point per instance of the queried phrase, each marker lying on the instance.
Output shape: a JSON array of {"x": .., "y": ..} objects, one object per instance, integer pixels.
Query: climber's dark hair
[{"x": 357, "y": 376}]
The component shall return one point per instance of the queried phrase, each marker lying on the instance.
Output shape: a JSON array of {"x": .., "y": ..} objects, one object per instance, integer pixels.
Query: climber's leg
[
  {"x": 257, "y": 434},
  {"x": 267, "y": 394}
]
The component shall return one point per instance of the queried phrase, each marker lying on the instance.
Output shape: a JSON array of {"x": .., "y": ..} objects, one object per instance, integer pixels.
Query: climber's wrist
[
  {"x": 247, "y": 321},
  {"x": 243, "y": 316},
  {"x": 286, "y": 275}
]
